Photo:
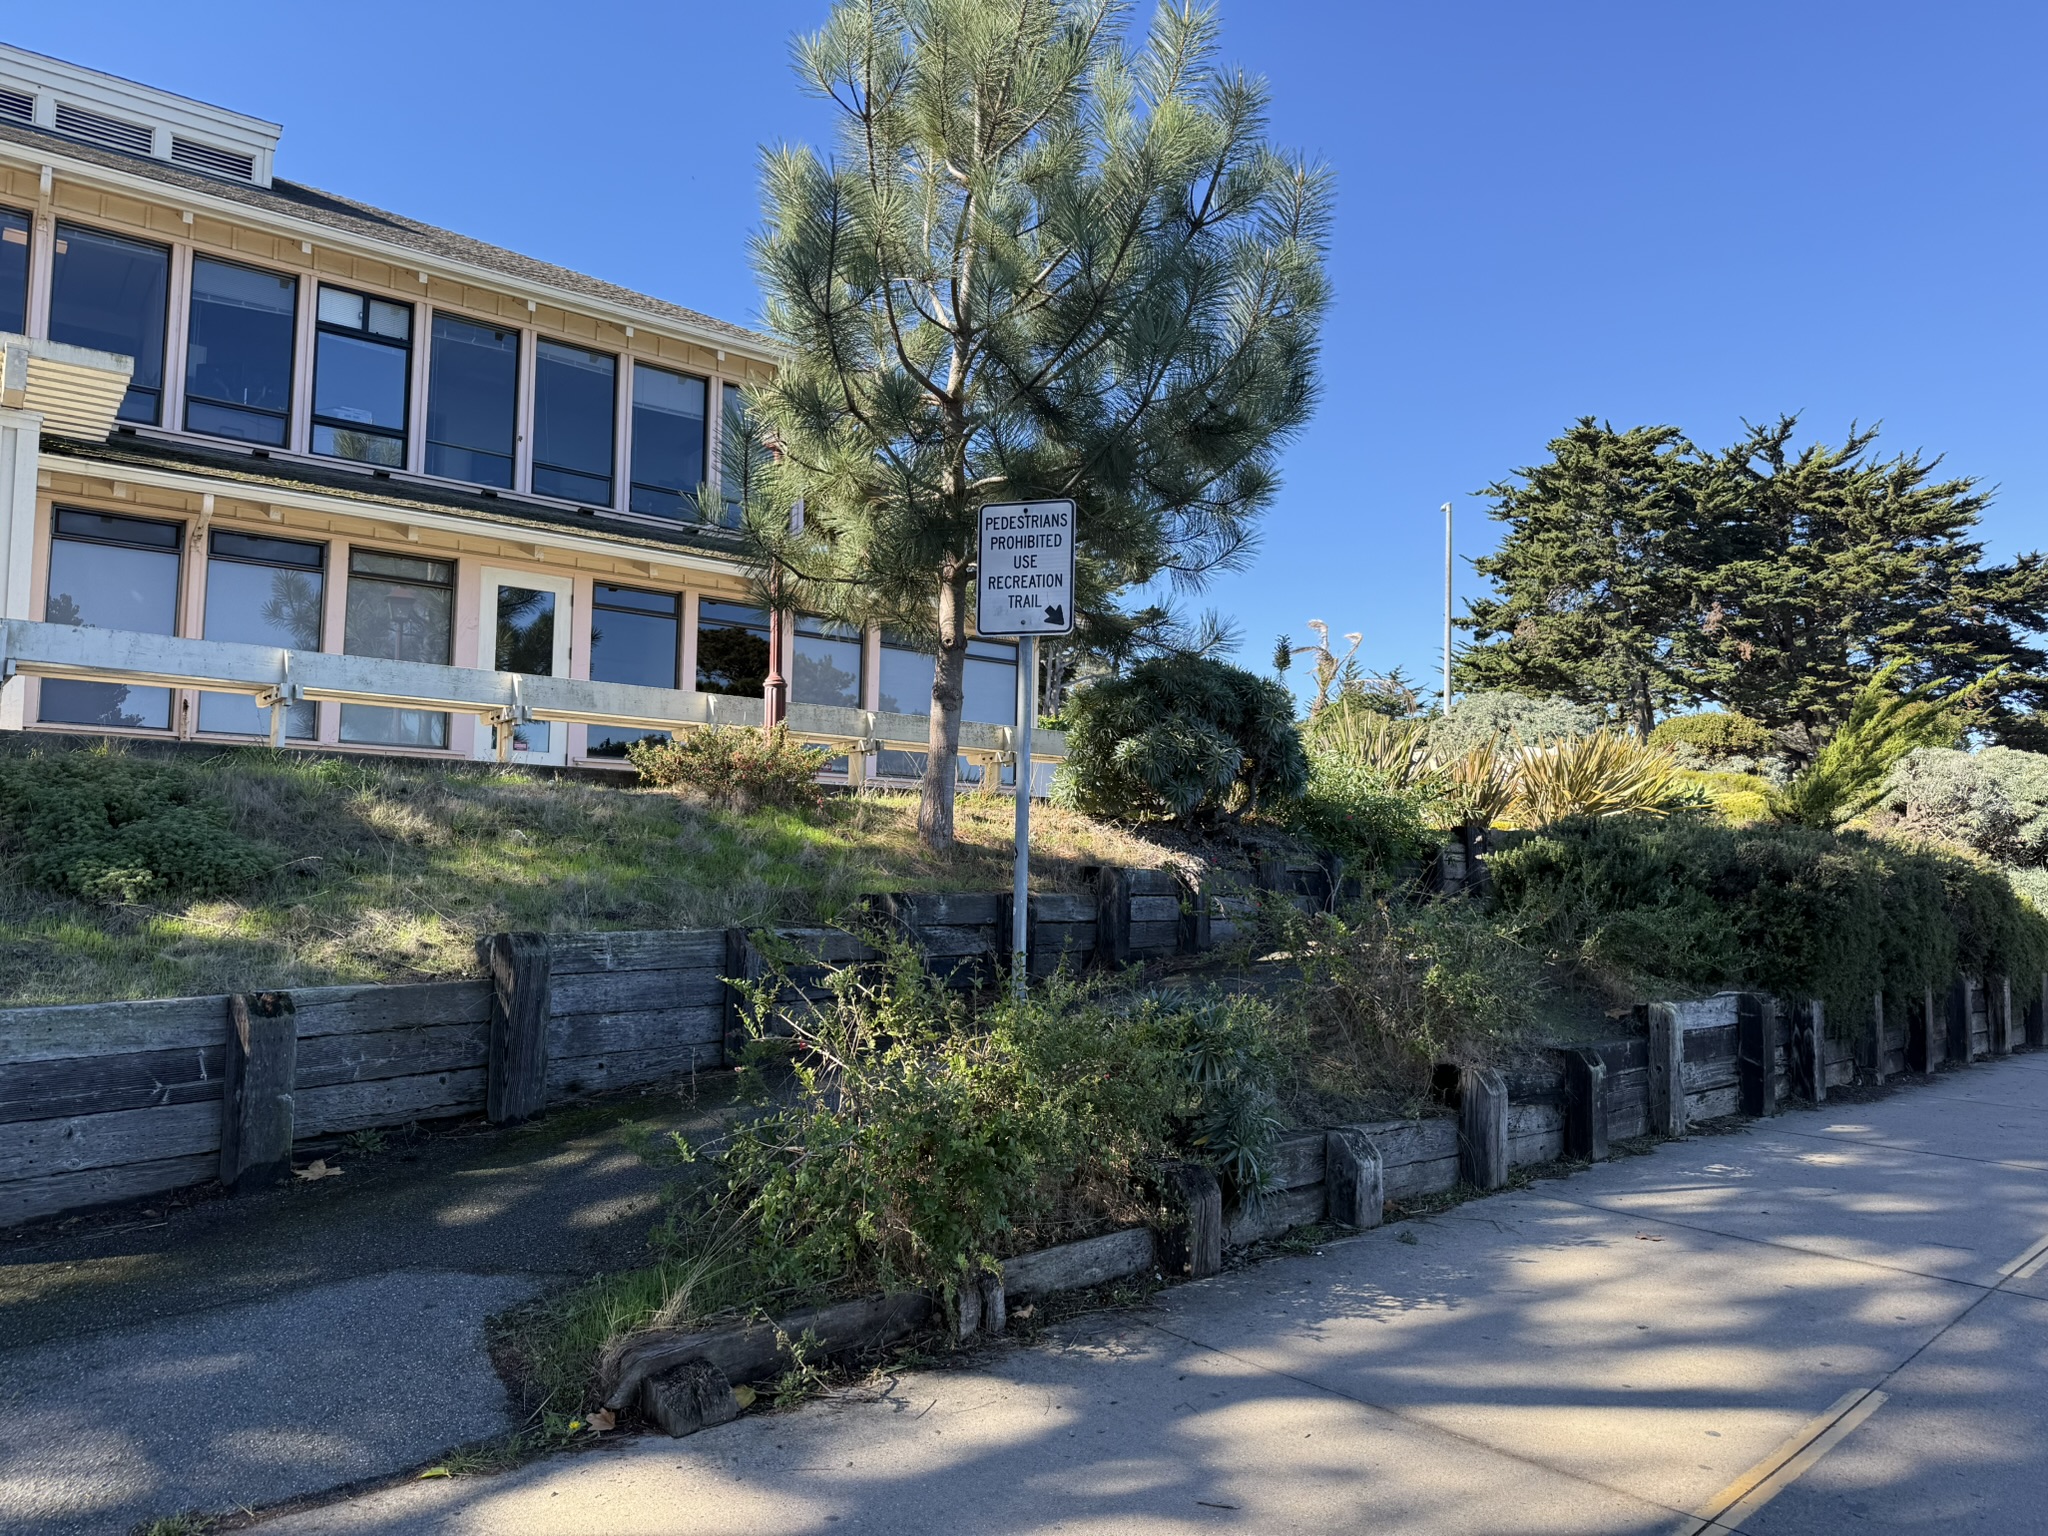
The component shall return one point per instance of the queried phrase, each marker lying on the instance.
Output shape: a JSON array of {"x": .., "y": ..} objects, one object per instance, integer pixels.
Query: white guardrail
[{"x": 276, "y": 678}]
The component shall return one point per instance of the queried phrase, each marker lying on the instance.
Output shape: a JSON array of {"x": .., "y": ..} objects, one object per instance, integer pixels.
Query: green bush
[
  {"x": 120, "y": 829},
  {"x": 1715, "y": 735},
  {"x": 736, "y": 768},
  {"x": 1994, "y": 802},
  {"x": 918, "y": 1142},
  {"x": 1352, "y": 810},
  {"x": 1521, "y": 718},
  {"x": 1182, "y": 738},
  {"x": 1683, "y": 903}
]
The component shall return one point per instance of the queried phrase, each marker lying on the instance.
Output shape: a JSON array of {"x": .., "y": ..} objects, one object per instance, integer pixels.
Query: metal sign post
[{"x": 1025, "y": 587}]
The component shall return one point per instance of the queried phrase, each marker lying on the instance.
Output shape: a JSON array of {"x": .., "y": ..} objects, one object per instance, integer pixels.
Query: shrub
[
  {"x": 1994, "y": 802},
  {"x": 1519, "y": 717},
  {"x": 1713, "y": 736},
  {"x": 1183, "y": 738},
  {"x": 916, "y": 1142},
  {"x": 1738, "y": 797},
  {"x": 1352, "y": 810},
  {"x": 1848, "y": 775},
  {"x": 736, "y": 768},
  {"x": 1605, "y": 774},
  {"x": 1645, "y": 905},
  {"x": 118, "y": 829}
]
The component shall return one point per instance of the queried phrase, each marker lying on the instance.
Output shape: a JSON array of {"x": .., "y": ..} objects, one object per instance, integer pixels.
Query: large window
[
  {"x": 825, "y": 668},
  {"x": 472, "y": 402},
  {"x": 13, "y": 271},
  {"x": 574, "y": 395},
  {"x": 262, "y": 591},
  {"x": 737, "y": 447},
  {"x": 114, "y": 573},
  {"x": 402, "y": 608},
  {"x": 238, "y": 361},
  {"x": 362, "y": 378},
  {"x": 668, "y": 441},
  {"x": 732, "y": 649},
  {"x": 111, "y": 294},
  {"x": 988, "y": 689},
  {"x": 634, "y": 638}
]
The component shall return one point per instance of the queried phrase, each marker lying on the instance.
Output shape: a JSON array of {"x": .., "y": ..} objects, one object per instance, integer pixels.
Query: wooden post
[
  {"x": 1113, "y": 916},
  {"x": 1807, "y": 1051},
  {"x": 742, "y": 963},
  {"x": 1667, "y": 1071},
  {"x": 1194, "y": 913},
  {"x": 516, "y": 1085},
  {"x": 258, "y": 1071},
  {"x": 1998, "y": 1013},
  {"x": 1190, "y": 1245},
  {"x": 1585, "y": 1105},
  {"x": 2037, "y": 1017},
  {"x": 1757, "y": 1089},
  {"x": 1483, "y": 1128},
  {"x": 1354, "y": 1178},
  {"x": 1879, "y": 1045},
  {"x": 689, "y": 1397},
  {"x": 1006, "y": 911},
  {"x": 1931, "y": 1036},
  {"x": 1959, "y": 1019}
]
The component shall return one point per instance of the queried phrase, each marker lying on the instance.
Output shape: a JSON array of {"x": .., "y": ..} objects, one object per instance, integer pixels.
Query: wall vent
[
  {"x": 107, "y": 132},
  {"x": 17, "y": 106},
  {"x": 214, "y": 161}
]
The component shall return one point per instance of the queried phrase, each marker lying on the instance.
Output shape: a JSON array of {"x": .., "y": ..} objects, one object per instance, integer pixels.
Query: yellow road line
[{"x": 1777, "y": 1471}]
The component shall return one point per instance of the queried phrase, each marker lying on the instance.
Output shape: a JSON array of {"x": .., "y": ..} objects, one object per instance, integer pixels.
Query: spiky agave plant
[
  {"x": 1603, "y": 774},
  {"x": 1396, "y": 751},
  {"x": 1482, "y": 782},
  {"x": 1884, "y": 724}
]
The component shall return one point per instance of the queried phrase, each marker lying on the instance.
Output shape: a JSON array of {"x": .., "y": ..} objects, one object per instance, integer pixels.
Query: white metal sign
[{"x": 1026, "y": 586}]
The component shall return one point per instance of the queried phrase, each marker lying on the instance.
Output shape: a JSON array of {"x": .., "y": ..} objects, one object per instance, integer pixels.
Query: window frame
[
  {"x": 691, "y": 510},
  {"x": 521, "y": 375},
  {"x": 28, "y": 262},
  {"x": 315, "y": 421},
  {"x": 186, "y": 397},
  {"x": 162, "y": 388},
  {"x": 180, "y": 583},
  {"x": 534, "y": 463},
  {"x": 453, "y": 587},
  {"x": 211, "y": 552}
]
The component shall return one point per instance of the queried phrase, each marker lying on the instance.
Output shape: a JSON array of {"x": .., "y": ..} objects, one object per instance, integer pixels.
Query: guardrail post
[
  {"x": 261, "y": 1062},
  {"x": 1483, "y": 1128},
  {"x": 515, "y": 1086},
  {"x": 1585, "y": 1105}
]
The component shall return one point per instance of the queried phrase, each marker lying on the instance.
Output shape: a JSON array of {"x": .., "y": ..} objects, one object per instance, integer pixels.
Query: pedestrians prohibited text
[{"x": 1026, "y": 585}]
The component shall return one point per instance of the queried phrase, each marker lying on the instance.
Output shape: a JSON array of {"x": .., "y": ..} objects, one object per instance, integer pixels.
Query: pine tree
[
  {"x": 1044, "y": 262},
  {"x": 1592, "y": 578}
]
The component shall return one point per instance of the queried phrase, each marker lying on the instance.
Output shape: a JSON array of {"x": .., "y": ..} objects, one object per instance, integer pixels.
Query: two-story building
[{"x": 278, "y": 465}]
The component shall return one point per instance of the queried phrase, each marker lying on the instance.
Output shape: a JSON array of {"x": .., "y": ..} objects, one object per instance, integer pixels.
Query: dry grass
[{"x": 391, "y": 871}]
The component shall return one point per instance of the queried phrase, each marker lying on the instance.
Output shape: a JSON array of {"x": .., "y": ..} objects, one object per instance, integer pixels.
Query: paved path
[
  {"x": 1831, "y": 1294},
  {"x": 249, "y": 1351}
]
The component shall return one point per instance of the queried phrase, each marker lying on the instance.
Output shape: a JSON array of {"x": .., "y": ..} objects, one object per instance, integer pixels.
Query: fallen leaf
[
  {"x": 1646, "y": 1237},
  {"x": 1023, "y": 1311},
  {"x": 318, "y": 1169},
  {"x": 744, "y": 1396},
  {"x": 602, "y": 1420},
  {"x": 435, "y": 1472}
]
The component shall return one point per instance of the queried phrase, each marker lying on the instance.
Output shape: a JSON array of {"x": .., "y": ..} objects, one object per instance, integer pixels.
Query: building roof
[
  {"x": 397, "y": 493},
  {"x": 294, "y": 200}
]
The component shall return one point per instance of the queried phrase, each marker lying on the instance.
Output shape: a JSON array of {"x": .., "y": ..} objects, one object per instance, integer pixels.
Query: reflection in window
[
  {"x": 668, "y": 441},
  {"x": 573, "y": 394},
  {"x": 13, "y": 271},
  {"x": 634, "y": 638},
  {"x": 989, "y": 695},
  {"x": 362, "y": 368},
  {"x": 740, "y": 453},
  {"x": 401, "y": 608},
  {"x": 238, "y": 361},
  {"x": 525, "y": 634},
  {"x": 732, "y": 649},
  {"x": 110, "y": 294},
  {"x": 825, "y": 667},
  {"x": 262, "y": 592},
  {"x": 472, "y": 402},
  {"x": 113, "y": 573}
]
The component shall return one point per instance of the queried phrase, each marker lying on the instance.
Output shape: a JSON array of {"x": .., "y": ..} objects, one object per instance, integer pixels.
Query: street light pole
[{"x": 1447, "y": 607}]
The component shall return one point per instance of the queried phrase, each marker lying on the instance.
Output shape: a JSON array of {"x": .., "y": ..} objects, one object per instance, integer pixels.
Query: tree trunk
[
  {"x": 1645, "y": 708},
  {"x": 949, "y": 674}
]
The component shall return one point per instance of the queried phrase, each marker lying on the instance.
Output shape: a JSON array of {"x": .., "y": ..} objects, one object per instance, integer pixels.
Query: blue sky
[{"x": 1672, "y": 212}]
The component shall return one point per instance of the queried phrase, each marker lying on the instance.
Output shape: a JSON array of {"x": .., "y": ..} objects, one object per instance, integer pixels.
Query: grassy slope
[{"x": 390, "y": 871}]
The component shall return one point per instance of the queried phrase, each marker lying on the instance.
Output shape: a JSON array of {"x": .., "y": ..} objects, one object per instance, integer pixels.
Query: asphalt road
[{"x": 1832, "y": 1321}]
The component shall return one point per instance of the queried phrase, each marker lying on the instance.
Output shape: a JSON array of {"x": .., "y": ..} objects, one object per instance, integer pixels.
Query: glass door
[{"x": 525, "y": 622}]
